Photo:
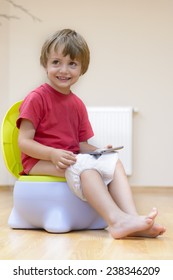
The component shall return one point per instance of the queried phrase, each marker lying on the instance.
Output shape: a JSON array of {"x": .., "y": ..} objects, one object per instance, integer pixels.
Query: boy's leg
[
  {"x": 120, "y": 191},
  {"x": 120, "y": 224},
  {"x": 43, "y": 167}
]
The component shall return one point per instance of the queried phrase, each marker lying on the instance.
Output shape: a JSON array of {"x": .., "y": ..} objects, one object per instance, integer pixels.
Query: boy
[{"x": 53, "y": 135}]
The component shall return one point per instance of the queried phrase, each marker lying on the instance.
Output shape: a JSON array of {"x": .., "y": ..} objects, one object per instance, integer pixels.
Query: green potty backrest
[
  {"x": 10, "y": 148},
  {"x": 9, "y": 134}
]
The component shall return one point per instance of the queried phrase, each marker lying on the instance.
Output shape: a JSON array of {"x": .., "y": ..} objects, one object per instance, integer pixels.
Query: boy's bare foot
[
  {"x": 154, "y": 231},
  {"x": 130, "y": 225}
]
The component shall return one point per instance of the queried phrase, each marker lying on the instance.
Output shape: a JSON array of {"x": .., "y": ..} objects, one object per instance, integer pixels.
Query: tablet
[{"x": 105, "y": 151}]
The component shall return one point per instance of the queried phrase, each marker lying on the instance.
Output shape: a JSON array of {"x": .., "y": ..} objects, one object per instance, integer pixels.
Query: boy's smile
[{"x": 62, "y": 71}]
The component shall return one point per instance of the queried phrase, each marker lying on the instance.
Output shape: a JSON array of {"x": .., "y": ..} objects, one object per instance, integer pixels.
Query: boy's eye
[
  {"x": 73, "y": 63},
  {"x": 55, "y": 62}
]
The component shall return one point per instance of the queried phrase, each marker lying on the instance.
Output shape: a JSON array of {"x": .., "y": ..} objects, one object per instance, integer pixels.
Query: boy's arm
[{"x": 32, "y": 148}]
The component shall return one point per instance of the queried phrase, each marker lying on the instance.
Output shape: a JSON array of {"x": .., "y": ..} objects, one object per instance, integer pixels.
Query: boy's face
[{"x": 62, "y": 71}]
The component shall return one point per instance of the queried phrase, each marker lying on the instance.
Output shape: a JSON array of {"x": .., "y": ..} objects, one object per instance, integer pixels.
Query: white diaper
[{"x": 105, "y": 165}]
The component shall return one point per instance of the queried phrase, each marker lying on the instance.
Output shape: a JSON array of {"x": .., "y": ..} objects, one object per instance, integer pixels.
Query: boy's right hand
[{"x": 62, "y": 158}]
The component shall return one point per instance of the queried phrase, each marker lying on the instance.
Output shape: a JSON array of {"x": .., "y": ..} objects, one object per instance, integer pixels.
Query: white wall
[{"x": 131, "y": 46}]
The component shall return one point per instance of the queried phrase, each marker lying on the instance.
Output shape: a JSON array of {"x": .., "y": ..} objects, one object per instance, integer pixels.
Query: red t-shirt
[{"x": 60, "y": 121}]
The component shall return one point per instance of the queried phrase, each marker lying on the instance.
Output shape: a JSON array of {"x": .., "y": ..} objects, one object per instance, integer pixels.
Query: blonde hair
[{"x": 73, "y": 45}]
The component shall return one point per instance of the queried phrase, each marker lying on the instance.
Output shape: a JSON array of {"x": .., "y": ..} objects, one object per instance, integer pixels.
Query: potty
[{"x": 42, "y": 202}]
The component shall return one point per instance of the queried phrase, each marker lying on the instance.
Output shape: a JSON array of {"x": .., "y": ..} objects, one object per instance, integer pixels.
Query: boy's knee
[{"x": 120, "y": 167}]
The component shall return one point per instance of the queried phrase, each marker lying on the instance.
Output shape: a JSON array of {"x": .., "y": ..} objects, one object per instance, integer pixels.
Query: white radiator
[{"x": 113, "y": 125}]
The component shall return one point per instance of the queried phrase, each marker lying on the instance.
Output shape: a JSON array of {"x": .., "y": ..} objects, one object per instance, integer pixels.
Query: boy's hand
[
  {"x": 62, "y": 158},
  {"x": 109, "y": 146}
]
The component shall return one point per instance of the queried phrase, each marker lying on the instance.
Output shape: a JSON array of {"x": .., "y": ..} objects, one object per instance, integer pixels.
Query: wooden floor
[{"x": 89, "y": 245}]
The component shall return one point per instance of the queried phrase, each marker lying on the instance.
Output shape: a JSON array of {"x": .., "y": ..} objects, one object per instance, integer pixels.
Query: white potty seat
[{"x": 51, "y": 206}]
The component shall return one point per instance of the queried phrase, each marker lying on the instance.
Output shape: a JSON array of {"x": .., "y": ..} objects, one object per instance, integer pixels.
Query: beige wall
[
  {"x": 131, "y": 45},
  {"x": 4, "y": 77}
]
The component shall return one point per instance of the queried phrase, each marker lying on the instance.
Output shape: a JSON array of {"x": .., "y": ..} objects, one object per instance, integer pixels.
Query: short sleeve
[{"x": 32, "y": 109}]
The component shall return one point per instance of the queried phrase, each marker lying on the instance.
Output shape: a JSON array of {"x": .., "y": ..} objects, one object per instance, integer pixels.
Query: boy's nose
[{"x": 63, "y": 68}]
